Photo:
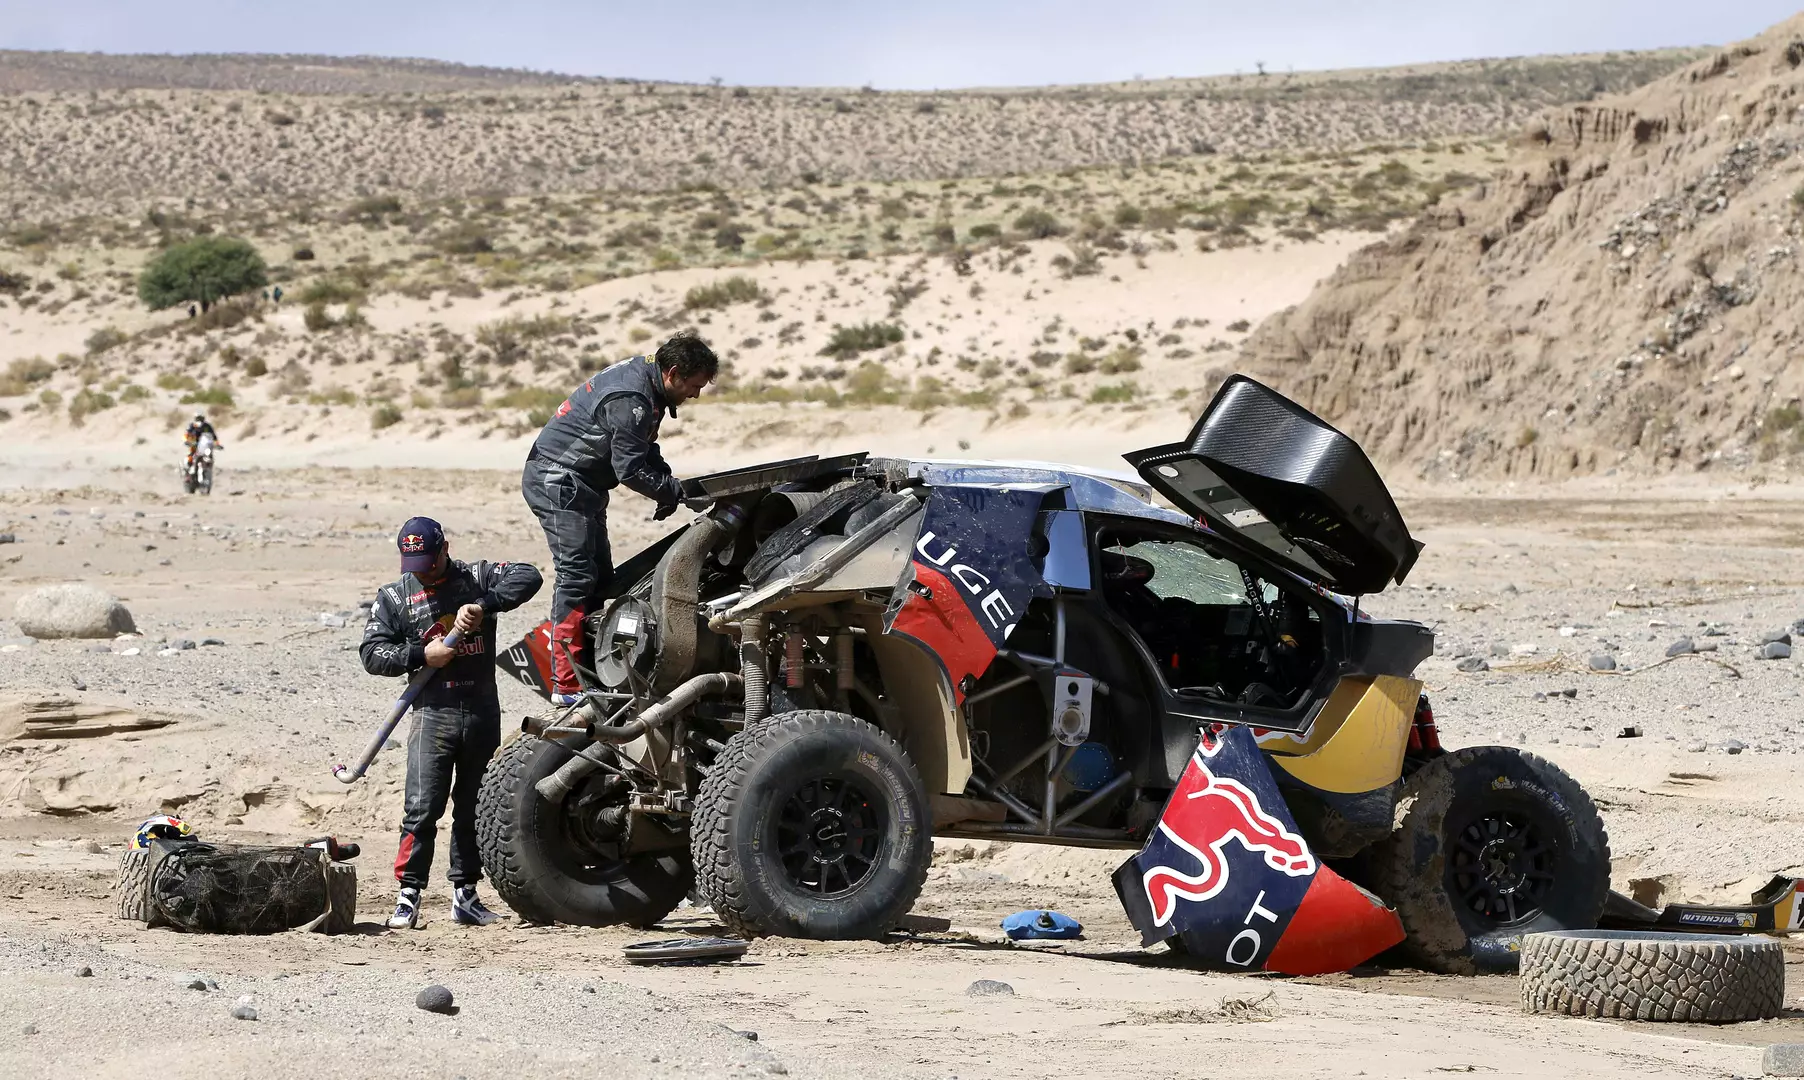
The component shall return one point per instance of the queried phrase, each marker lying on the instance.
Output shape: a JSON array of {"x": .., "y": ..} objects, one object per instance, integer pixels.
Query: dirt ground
[{"x": 258, "y": 720}]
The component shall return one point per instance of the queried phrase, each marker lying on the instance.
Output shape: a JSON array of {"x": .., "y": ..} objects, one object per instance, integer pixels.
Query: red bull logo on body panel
[{"x": 1205, "y": 813}]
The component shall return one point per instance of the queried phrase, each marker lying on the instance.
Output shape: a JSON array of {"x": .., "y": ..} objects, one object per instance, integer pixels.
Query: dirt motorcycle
[{"x": 197, "y": 473}]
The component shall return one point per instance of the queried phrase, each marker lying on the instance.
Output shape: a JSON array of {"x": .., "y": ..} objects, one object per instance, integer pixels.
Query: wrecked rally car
[{"x": 844, "y": 657}]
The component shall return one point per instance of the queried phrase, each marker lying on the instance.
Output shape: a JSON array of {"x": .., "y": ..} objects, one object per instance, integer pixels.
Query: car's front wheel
[
  {"x": 1494, "y": 844},
  {"x": 814, "y": 825},
  {"x": 564, "y": 863}
]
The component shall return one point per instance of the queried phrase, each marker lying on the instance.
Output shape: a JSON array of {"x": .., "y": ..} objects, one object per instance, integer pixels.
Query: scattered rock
[
  {"x": 1733, "y": 746},
  {"x": 1472, "y": 665},
  {"x": 29, "y": 1029},
  {"x": 332, "y": 618},
  {"x": 1568, "y": 631},
  {"x": 71, "y": 611},
  {"x": 198, "y": 984},
  {"x": 182, "y": 644},
  {"x": 1775, "y": 650},
  {"x": 1697, "y": 746},
  {"x": 1783, "y": 1059},
  {"x": 8, "y": 538},
  {"x": 84, "y": 972},
  {"x": 244, "y": 1012},
  {"x": 1771, "y": 636},
  {"x": 1499, "y": 649},
  {"x": 1706, "y": 646},
  {"x": 133, "y": 651},
  {"x": 752, "y": 1035},
  {"x": 1630, "y": 732},
  {"x": 990, "y": 988},
  {"x": 1602, "y": 661},
  {"x": 75, "y": 681},
  {"x": 169, "y": 652},
  {"x": 1539, "y": 696},
  {"x": 211, "y": 641},
  {"x": 1569, "y": 692},
  {"x": 434, "y": 999},
  {"x": 1524, "y": 648},
  {"x": 1681, "y": 647}
]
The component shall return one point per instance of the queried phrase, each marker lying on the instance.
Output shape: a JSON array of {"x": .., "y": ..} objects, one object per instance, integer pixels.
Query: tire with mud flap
[
  {"x": 341, "y": 892},
  {"x": 811, "y": 824},
  {"x": 1635, "y": 975},
  {"x": 563, "y": 864},
  {"x": 1494, "y": 844},
  {"x": 133, "y": 888}
]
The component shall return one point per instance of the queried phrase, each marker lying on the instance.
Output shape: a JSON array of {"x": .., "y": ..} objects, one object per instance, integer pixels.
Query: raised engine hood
[{"x": 1264, "y": 471}]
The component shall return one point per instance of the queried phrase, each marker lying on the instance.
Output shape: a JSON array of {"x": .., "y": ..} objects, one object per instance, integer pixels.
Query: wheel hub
[
  {"x": 1501, "y": 868},
  {"x": 828, "y": 836}
]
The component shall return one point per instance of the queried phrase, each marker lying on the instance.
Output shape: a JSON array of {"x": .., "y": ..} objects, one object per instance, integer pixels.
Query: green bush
[
  {"x": 87, "y": 402},
  {"x": 202, "y": 270},
  {"x": 871, "y": 384},
  {"x": 256, "y": 367},
  {"x": 849, "y": 341},
  {"x": 1121, "y": 361},
  {"x": 1038, "y": 224},
  {"x": 1114, "y": 394},
  {"x": 332, "y": 291},
  {"x": 105, "y": 338},
  {"x": 20, "y": 375},
  {"x": 174, "y": 380},
  {"x": 985, "y": 230},
  {"x": 1080, "y": 364},
  {"x": 216, "y": 395},
  {"x": 372, "y": 210},
  {"x": 1127, "y": 215},
  {"x": 384, "y": 415},
  {"x": 726, "y": 292},
  {"x": 315, "y": 318},
  {"x": 133, "y": 392}
]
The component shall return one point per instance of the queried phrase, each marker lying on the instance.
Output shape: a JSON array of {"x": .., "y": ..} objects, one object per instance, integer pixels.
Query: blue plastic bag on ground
[{"x": 1041, "y": 924}]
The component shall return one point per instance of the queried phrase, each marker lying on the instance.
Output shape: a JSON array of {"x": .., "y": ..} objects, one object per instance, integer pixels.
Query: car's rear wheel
[
  {"x": 1494, "y": 844},
  {"x": 564, "y": 863},
  {"x": 811, "y": 824}
]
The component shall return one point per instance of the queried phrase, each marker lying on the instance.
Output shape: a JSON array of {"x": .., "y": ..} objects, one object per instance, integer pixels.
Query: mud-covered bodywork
[{"x": 1062, "y": 660}]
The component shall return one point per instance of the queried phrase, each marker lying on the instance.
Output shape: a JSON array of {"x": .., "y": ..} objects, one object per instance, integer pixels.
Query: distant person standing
[
  {"x": 457, "y": 717},
  {"x": 604, "y": 435},
  {"x": 277, "y": 294}
]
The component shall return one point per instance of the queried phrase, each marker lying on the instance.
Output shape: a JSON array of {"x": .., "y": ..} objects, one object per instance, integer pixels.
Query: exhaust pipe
[{"x": 557, "y": 787}]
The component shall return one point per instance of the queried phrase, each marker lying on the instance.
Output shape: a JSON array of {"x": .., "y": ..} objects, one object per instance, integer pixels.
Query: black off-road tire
[
  {"x": 541, "y": 883},
  {"x": 133, "y": 888},
  {"x": 1634, "y": 975},
  {"x": 341, "y": 892},
  {"x": 1412, "y": 872},
  {"x": 763, "y": 770}
]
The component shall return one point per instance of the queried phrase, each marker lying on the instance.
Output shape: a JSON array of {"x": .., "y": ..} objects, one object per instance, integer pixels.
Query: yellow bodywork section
[{"x": 1357, "y": 741}]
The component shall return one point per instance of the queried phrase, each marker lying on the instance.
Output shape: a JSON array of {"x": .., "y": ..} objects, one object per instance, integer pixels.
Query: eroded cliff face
[{"x": 1625, "y": 294}]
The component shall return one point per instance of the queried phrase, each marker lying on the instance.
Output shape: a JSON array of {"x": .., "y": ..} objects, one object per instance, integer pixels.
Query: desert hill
[
  {"x": 97, "y": 133},
  {"x": 1623, "y": 294}
]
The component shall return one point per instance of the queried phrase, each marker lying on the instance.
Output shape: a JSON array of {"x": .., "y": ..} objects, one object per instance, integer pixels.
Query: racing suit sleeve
[
  {"x": 388, "y": 648},
  {"x": 637, "y": 461},
  {"x": 505, "y": 586}
]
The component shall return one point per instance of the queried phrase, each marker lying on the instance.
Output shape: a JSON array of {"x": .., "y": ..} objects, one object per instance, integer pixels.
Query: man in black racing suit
[
  {"x": 457, "y": 717},
  {"x": 604, "y": 435}
]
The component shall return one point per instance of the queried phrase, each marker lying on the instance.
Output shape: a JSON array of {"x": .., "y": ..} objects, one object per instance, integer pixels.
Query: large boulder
[{"x": 72, "y": 611}]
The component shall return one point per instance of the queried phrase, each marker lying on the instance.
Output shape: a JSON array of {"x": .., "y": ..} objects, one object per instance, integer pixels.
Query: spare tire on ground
[
  {"x": 133, "y": 888},
  {"x": 71, "y": 611},
  {"x": 1494, "y": 844},
  {"x": 1636, "y": 975}
]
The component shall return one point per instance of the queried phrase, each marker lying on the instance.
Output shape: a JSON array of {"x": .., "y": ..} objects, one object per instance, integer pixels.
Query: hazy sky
[{"x": 899, "y": 43}]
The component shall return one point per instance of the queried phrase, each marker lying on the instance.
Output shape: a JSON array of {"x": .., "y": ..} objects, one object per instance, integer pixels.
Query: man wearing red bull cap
[{"x": 457, "y": 717}]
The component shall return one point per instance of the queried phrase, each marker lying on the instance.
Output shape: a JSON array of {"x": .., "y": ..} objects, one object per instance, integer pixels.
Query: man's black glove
[{"x": 664, "y": 510}]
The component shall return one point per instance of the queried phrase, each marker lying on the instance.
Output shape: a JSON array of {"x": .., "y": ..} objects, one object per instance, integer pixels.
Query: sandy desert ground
[{"x": 258, "y": 720}]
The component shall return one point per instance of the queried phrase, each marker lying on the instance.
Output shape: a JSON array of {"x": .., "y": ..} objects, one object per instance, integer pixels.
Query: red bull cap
[{"x": 420, "y": 541}]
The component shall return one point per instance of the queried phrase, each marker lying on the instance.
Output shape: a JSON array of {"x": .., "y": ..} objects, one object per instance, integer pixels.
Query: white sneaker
[{"x": 407, "y": 910}]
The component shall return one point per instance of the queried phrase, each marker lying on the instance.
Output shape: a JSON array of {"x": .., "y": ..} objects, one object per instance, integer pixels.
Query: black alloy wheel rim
[
  {"x": 829, "y": 834},
  {"x": 1501, "y": 868}
]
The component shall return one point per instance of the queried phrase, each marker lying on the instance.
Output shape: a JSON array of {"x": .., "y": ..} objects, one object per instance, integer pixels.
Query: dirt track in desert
[{"x": 259, "y": 719}]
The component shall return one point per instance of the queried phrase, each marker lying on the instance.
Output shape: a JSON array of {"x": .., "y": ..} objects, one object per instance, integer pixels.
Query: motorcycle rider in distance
[{"x": 196, "y": 428}]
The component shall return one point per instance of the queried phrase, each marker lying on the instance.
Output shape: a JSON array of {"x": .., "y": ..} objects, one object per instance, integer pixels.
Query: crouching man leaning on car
[{"x": 604, "y": 435}]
